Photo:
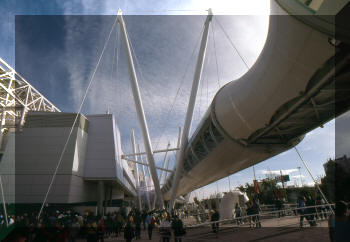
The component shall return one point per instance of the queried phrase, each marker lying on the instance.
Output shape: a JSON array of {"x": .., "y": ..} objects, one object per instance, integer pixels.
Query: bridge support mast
[
  {"x": 190, "y": 109},
  {"x": 139, "y": 109},
  {"x": 133, "y": 144}
]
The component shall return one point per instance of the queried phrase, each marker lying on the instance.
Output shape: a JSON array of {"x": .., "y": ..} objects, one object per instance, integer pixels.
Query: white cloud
[
  {"x": 309, "y": 184},
  {"x": 278, "y": 172},
  {"x": 297, "y": 176}
]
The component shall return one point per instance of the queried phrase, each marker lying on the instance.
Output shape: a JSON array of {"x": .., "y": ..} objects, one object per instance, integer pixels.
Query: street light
[{"x": 301, "y": 181}]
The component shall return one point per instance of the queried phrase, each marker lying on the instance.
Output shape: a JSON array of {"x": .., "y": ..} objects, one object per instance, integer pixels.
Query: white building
[{"x": 91, "y": 171}]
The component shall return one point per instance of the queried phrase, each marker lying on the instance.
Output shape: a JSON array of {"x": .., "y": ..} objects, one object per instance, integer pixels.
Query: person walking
[
  {"x": 215, "y": 217},
  {"x": 119, "y": 223},
  {"x": 101, "y": 229},
  {"x": 129, "y": 232},
  {"x": 179, "y": 230},
  {"x": 339, "y": 223},
  {"x": 301, "y": 210},
  {"x": 91, "y": 230},
  {"x": 256, "y": 211},
  {"x": 310, "y": 211},
  {"x": 238, "y": 214},
  {"x": 74, "y": 230},
  {"x": 144, "y": 216},
  {"x": 150, "y": 221},
  {"x": 165, "y": 229},
  {"x": 137, "y": 222}
]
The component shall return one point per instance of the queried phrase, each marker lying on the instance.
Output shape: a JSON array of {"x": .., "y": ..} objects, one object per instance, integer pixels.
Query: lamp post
[{"x": 301, "y": 181}]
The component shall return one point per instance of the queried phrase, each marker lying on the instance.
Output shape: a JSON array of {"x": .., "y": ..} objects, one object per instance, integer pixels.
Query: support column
[
  {"x": 3, "y": 116},
  {"x": 163, "y": 166},
  {"x": 144, "y": 177},
  {"x": 167, "y": 167},
  {"x": 139, "y": 109},
  {"x": 190, "y": 109},
  {"x": 101, "y": 197},
  {"x": 21, "y": 121},
  {"x": 4, "y": 202},
  {"x": 133, "y": 144}
]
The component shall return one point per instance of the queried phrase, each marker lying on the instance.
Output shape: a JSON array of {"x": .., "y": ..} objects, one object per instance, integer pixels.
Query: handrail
[{"x": 262, "y": 214}]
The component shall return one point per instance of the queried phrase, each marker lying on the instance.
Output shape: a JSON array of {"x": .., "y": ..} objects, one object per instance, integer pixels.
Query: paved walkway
[{"x": 284, "y": 229}]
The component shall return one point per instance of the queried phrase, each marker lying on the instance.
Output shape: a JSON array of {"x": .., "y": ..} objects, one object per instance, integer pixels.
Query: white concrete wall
[
  {"x": 101, "y": 153},
  {"x": 38, "y": 150},
  {"x": 7, "y": 169},
  {"x": 91, "y": 155},
  {"x": 103, "y": 156}
]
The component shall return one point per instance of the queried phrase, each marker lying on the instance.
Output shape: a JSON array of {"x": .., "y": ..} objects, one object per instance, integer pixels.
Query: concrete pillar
[{"x": 100, "y": 198}]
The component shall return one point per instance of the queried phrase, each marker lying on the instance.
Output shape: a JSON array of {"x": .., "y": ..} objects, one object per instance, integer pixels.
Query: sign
[
  {"x": 284, "y": 177},
  {"x": 256, "y": 187}
]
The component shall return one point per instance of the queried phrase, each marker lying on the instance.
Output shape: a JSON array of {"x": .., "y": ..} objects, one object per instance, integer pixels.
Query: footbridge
[{"x": 299, "y": 82}]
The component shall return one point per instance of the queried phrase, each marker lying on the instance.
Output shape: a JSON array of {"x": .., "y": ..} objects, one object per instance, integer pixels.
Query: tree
[{"x": 335, "y": 184}]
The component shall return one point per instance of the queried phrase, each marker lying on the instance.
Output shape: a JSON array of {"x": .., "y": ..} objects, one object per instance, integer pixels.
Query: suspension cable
[
  {"x": 138, "y": 66},
  {"x": 216, "y": 58},
  {"x": 118, "y": 53},
  {"x": 231, "y": 42},
  {"x": 309, "y": 171},
  {"x": 4, "y": 202},
  {"x": 166, "y": 10},
  {"x": 76, "y": 119},
  {"x": 178, "y": 90}
]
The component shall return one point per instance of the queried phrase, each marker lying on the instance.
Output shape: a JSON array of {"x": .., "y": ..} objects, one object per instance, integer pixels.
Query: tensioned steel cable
[
  {"x": 216, "y": 58},
  {"x": 178, "y": 90},
  {"x": 117, "y": 69},
  {"x": 309, "y": 171},
  {"x": 138, "y": 67},
  {"x": 4, "y": 202},
  {"x": 231, "y": 42},
  {"x": 166, "y": 10},
  {"x": 76, "y": 119}
]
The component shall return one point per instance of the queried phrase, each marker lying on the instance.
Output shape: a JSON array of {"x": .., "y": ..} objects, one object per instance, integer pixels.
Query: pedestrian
[
  {"x": 74, "y": 230},
  {"x": 150, "y": 221},
  {"x": 165, "y": 229},
  {"x": 215, "y": 217},
  {"x": 101, "y": 229},
  {"x": 238, "y": 214},
  {"x": 129, "y": 232},
  {"x": 61, "y": 233},
  {"x": 179, "y": 230},
  {"x": 310, "y": 211},
  {"x": 256, "y": 210},
  {"x": 109, "y": 225},
  {"x": 339, "y": 223},
  {"x": 137, "y": 222},
  {"x": 250, "y": 212},
  {"x": 91, "y": 230},
  {"x": 144, "y": 216},
  {"x": 119, "y": 223},
  {"x": 301, "y": 210}
]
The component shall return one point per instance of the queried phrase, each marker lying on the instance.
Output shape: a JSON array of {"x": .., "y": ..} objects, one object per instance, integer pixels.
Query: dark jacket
[
  {"x": 129, "y": 231},
  {"x": 178, "y": 227}
]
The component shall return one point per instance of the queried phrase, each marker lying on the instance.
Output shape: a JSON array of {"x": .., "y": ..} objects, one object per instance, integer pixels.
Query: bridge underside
[{"x": 215, "y": 151}]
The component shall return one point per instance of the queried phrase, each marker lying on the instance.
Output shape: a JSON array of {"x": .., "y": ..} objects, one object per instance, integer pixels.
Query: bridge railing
[{"x": 320, "y": 212}]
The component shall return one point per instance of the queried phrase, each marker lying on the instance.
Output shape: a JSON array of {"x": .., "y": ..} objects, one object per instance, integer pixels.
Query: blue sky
[{"x": 57, "y": 54}]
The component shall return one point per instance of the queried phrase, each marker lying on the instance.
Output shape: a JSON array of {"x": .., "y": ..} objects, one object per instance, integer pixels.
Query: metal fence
[{"x": 311, "y": 213}]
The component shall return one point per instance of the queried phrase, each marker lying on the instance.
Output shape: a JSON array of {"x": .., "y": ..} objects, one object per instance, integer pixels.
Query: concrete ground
[{"x": 284, "y": 229}]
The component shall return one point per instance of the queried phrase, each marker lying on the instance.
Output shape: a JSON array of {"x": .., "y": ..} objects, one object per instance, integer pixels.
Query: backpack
[{"x": 153, "y": 221}]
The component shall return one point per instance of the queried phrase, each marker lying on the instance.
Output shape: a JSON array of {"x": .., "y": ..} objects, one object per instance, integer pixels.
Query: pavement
[{"x": 284, "y": 229}]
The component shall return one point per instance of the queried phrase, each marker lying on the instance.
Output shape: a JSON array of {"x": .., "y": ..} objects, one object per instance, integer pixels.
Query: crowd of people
[{"x": 68, "y": 225}]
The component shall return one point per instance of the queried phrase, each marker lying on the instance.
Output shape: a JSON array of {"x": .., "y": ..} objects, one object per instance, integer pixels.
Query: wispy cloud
[
  {"x": 297, "y": 176},
  {"x": 278, "y": 172},
  {"x": 161, "y": 58}
]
